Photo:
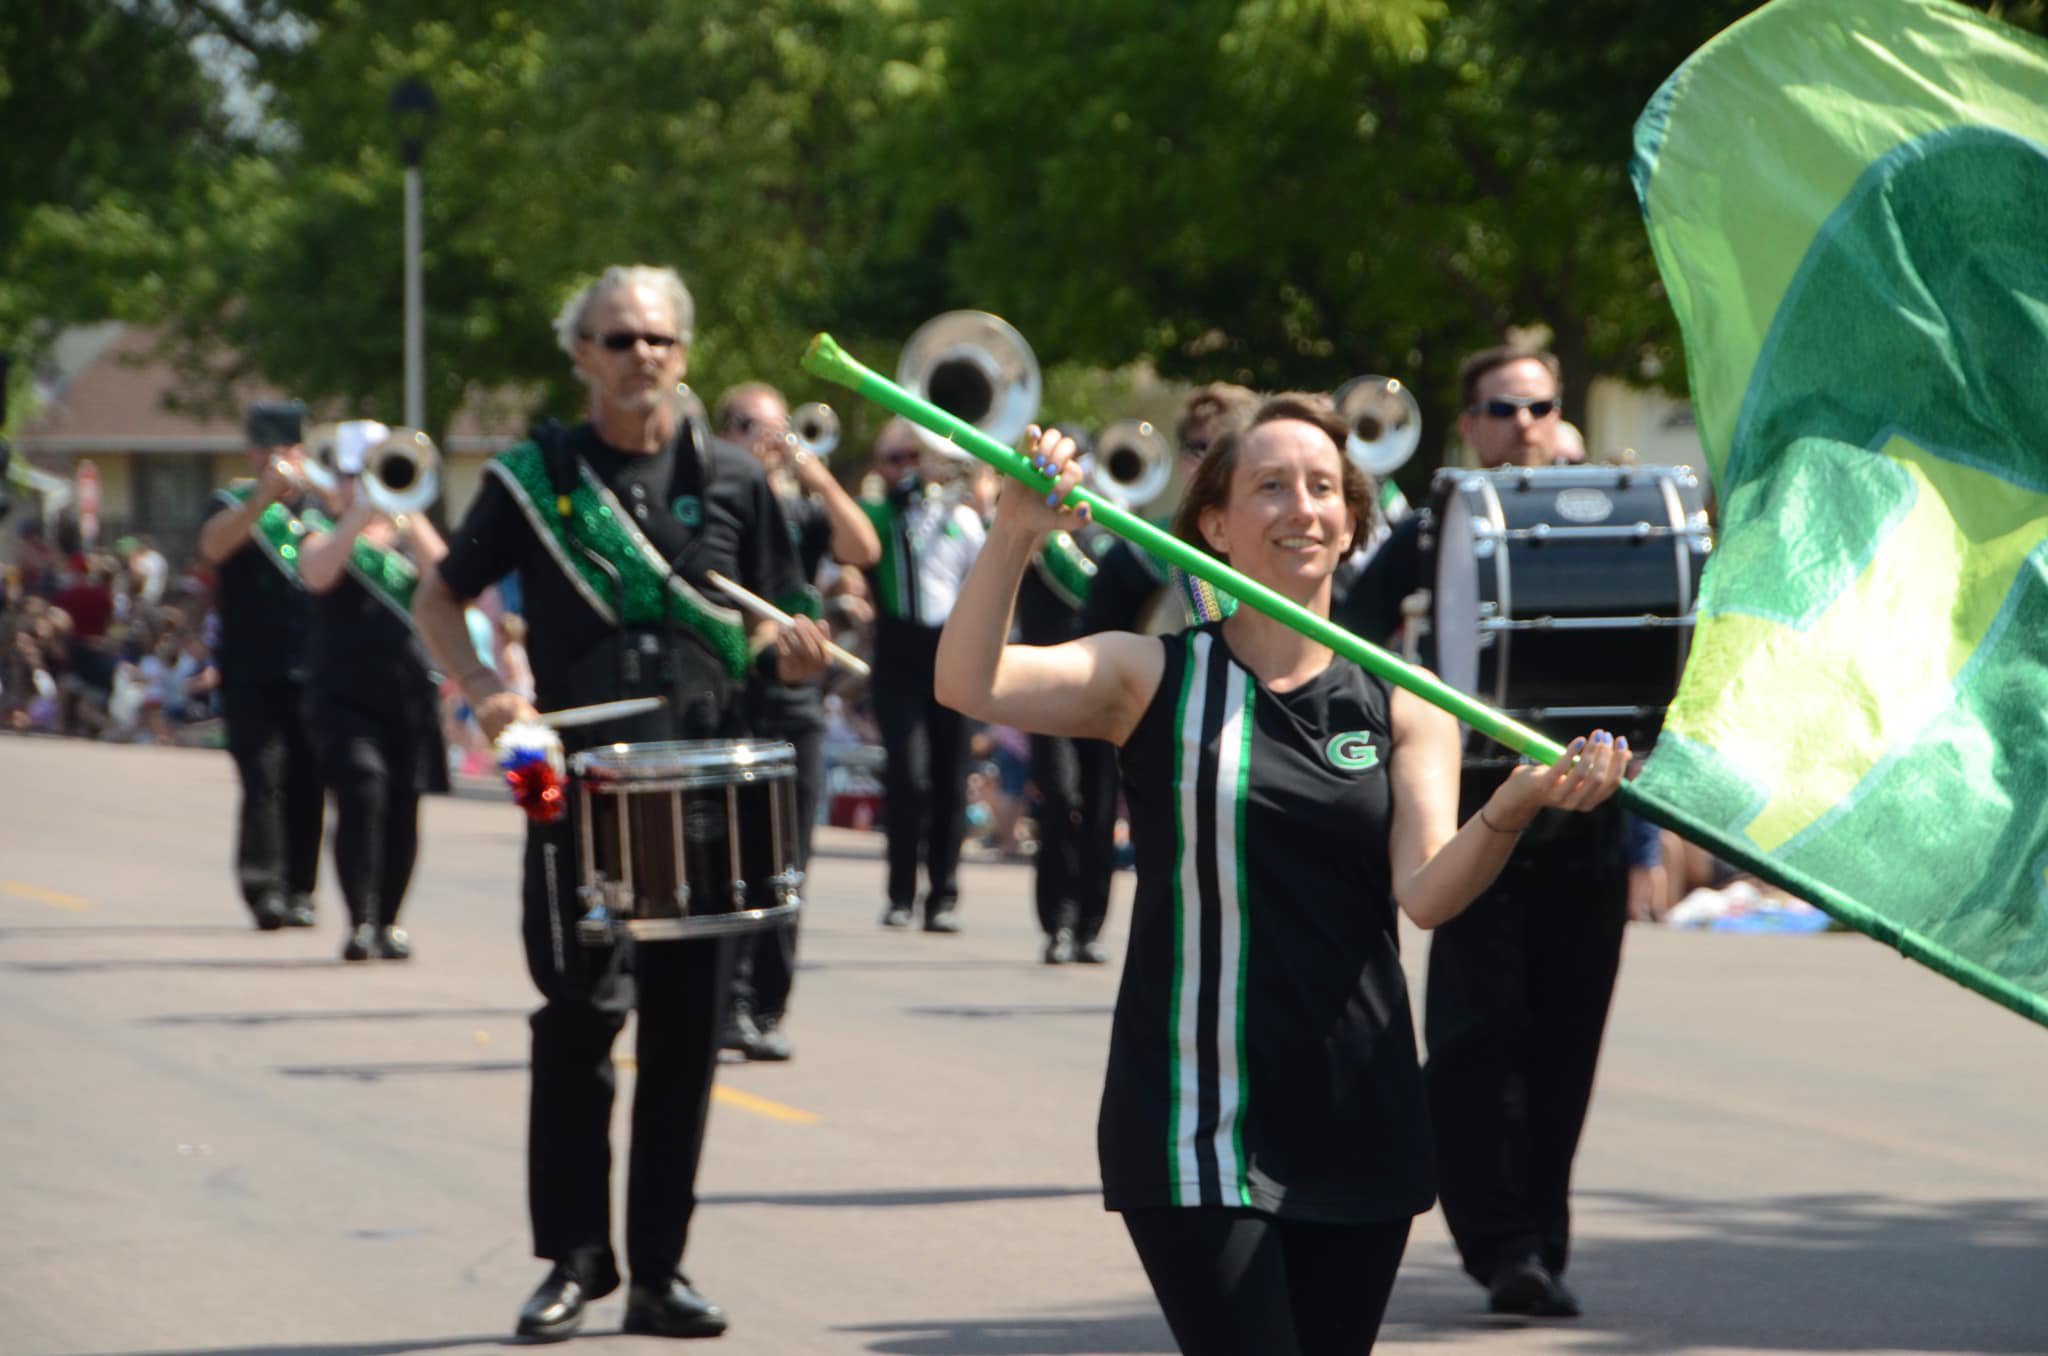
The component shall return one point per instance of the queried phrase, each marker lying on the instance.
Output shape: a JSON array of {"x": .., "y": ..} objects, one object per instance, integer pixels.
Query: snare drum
[
  {"x": 687, "y": 839},
  {"x": 1564, "y": 595}
]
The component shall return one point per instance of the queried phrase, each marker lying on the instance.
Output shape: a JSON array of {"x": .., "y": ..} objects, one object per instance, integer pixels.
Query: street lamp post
[{"x": 413, "y": 111}]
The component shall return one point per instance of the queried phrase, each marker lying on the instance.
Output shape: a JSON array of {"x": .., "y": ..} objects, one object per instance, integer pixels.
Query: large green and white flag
[{"x": 1848, "y": 200}]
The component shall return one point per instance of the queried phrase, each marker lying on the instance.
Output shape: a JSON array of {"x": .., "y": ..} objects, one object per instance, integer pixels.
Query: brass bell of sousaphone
[
  {"x": 1132, "y": 465},
  {"x": 976, "y": 367},
  {"x": 1384, "y": 420}
]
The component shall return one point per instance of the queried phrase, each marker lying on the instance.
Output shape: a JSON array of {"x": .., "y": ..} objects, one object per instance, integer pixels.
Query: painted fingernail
[
  {"x": 1053, "y": 500},
  {"x": 1602, "y": 737},
  {"x": 1085, "y": 515},
  {"x": 1576, "y": 745}
]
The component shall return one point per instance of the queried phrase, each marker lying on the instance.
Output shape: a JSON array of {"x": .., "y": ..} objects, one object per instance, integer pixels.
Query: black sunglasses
[
  {"x": 618, "y": 341},
  {"x": 1507, "y": 407},
  {"x": 897, "y": 457}
]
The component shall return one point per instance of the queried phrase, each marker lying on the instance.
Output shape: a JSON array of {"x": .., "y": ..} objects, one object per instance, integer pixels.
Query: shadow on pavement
[
  {"x": 1789, "y": 1273},
  {"x": 427, "y": 1344},
  {"x": 984, "y": 1011},
  {"x": 873, "y": 1199},
  {"x": 356, "y": 1015},
  {"x": 120, "y": 929},
  {"x": 109, "y": 965},
  {"x": 377, "y": 1073},
  {"x": 1119, "y": 1334}
]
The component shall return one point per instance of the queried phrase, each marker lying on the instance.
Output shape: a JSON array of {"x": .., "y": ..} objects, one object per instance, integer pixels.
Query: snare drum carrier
[
  {"x": 1564, "y": 596},
  {"x": 675, "y": 839}
]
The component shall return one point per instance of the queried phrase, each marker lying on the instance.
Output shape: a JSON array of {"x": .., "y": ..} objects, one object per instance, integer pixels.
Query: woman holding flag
[{"x": 1263, "y": 1128}]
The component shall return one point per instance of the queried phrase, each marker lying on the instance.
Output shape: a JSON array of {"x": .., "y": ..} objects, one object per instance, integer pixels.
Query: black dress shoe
[
  {"x": 1561, "y": 1302},
  {"x": 361, "y": 943},
  {"x": 675, "y": 1311},
  {"x": 299, "y": 912},
  {"x": 1521, "y": 1286},
  {"x": 896, "y": 916},
  {"x": 393, "y": 944},
  {"x": 555, "y": 1310},
  {"x": 944, "y": 920},
  {"x": 269, "y": 912},
  {"x": 1059, "y": 948}
]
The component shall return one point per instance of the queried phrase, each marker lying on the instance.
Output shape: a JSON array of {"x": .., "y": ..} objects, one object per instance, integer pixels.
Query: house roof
[{"x": 119, "y": 402}]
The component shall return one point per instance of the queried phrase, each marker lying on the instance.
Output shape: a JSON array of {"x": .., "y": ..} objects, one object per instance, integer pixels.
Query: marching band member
[
  {"x": 1076, "y": 778},
  {"x": 823, "y": 519},
  {"x": 1263, "y": 1129},
  {"x": 371, "y": 703},
  {"x": 613, "y": 526},
  {"x": 251, "y": 535},
  {"x": 929, "y": 541}
]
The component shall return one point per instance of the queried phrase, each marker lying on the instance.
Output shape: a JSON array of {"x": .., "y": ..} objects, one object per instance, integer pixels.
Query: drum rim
[{"x": 714, "y": 761}]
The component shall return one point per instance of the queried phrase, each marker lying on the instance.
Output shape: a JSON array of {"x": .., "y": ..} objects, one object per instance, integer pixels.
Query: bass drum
[{"x": 1564, "y": 596}]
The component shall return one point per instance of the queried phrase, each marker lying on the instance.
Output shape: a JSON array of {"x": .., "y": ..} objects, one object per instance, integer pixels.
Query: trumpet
[
  {"x": 976, "y": 367},
  {"x": 814, "y": 429},
  {"x": 1132, "y": 464},
  {"x": 396, "y": 469},
  {"x": 1384, "y": 420}
]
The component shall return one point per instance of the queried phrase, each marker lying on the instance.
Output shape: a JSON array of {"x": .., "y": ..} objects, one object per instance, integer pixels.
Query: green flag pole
[{"x": 824, "y": 358}]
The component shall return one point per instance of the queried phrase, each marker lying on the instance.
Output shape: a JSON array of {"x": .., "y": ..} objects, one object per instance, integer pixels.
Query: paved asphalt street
[{"x": 219, "y": 1141}]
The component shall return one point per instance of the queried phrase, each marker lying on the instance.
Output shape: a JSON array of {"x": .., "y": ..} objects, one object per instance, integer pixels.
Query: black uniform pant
[
  {"x": 1519, "y": 986},
  {"x": 679, "y": 989},
  {"x": 766, "y": 964},
  {"x": 1077, "y": 790},
  {"x": 1241, "y": 1283},
  {"x": 925, "y": 779},
  {"x": 376, "y": 821},
  {"x": 277, "y": 845}
]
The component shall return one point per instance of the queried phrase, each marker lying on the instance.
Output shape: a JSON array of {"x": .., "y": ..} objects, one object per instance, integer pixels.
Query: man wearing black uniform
[
  {"x": 613, "y": 526},
  {"x": 929, "y": 539},
  {"x": 823, "y": 518},
  {"x": 1519, "y": 984},
  {"x": 371, "y": 699},
  {"x": 251, "y": 536},
  {"x": 1076, "y": 852}
]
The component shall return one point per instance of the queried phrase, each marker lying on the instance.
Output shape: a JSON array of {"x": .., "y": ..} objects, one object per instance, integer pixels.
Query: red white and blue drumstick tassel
[{"x": 531, "y": 757}]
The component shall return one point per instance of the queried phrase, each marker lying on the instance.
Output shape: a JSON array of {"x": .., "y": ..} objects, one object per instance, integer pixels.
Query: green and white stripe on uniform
[{"x": 1212, "y": 769}]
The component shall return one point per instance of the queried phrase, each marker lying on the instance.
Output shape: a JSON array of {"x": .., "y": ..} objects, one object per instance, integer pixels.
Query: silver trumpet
[
  {"x": 1133, "y": 464},
  {"x": 976, "y": 367},
  {"x": 398, "y": 470},
  {"x": 814, "y": 428},
  {"x": 1384, "y": 420}
]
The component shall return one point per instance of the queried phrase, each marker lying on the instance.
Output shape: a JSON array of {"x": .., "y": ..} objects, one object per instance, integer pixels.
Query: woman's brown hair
[{"x": 1209, "y": 487}]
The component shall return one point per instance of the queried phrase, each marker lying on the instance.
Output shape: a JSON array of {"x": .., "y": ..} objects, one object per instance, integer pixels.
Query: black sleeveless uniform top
[{"x": 1262, "y": 1054}]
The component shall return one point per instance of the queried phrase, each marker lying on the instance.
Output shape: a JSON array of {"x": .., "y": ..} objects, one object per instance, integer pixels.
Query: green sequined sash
[
  {"x": 652, "y": 593},
  {"x": 1066, "y": 569},
  {"x": 277, "y": 531},
  {"x": 387, "y": 574}
]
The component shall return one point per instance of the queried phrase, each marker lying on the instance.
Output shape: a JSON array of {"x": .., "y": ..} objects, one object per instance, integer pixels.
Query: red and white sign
[{"x": 88, "y": 492}]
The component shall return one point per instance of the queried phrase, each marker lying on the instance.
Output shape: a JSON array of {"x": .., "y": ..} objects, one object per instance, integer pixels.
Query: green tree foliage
[
  {"x": 108, "y": 118},
  {"x": 1282, "y": 192}
]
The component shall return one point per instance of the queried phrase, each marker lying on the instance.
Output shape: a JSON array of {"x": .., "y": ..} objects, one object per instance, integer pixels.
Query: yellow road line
[
  {"x": 745, "y": 1101},
  {"x": 54, "y": 898}
]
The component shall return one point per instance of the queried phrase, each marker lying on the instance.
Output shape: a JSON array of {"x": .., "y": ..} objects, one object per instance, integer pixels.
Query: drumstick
[
  {"x": 763, "y": 608},
  {"x": 570, "y": 716}
]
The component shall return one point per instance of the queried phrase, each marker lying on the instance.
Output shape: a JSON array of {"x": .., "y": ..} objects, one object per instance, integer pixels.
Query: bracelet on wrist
[{"x": 1481, "y": 817}]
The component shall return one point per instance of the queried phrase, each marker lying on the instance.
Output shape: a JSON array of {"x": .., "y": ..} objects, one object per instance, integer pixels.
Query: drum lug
[
  {"x": 789, "y": 886},
  {"x": 738, "y": 890}
]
